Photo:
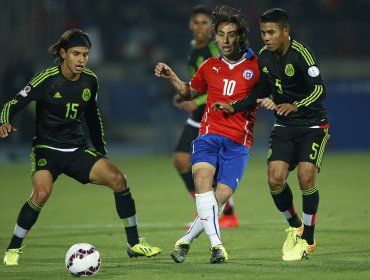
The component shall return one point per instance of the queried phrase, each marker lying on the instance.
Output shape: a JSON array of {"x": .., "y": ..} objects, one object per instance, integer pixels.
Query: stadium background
[{"x": 129, "y": 37}]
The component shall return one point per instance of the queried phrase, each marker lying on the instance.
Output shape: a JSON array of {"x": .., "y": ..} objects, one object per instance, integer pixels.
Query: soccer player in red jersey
[
  {"x": 220, "y": 153},
  {"x": 203, "y": 46}
]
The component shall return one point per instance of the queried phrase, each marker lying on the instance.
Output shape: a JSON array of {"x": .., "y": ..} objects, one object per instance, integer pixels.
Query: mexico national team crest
[
  {"x": 41, "y": 162},
  {"x": 248, "y": 74},
  {"x": 289, "y": 70},
  {"x": 86, "y": 94}
]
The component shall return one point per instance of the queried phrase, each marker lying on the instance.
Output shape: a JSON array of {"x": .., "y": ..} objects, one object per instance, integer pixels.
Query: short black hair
[
  {"x": 230, "y": 15},
  {"x": 201, "y": 9},
  {"x": 276, "y": 15}
]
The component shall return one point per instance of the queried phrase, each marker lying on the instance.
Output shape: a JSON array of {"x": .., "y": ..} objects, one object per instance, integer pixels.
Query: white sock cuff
[
  {"x": 205, "y": 200},
  {"x": 205, "y": 194}
]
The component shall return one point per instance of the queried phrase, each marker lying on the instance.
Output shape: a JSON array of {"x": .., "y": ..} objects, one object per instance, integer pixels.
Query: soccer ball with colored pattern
[{"x": 83, "y": 260}]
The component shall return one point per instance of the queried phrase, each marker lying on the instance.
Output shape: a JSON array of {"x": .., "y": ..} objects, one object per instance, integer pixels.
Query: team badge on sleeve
[
  {"x": 248, "y": 74},
  {"x": 24, "y": 92}
]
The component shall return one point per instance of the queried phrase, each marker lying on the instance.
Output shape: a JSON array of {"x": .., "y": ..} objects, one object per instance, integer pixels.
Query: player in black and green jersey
[
  {"x": 65, "y": 96},
  {"x": 202, "y": 48},
  {"x": 290, "y": 73}
]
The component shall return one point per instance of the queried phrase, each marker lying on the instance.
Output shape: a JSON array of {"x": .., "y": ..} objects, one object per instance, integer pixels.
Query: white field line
[{"x": 168, "y": 225}]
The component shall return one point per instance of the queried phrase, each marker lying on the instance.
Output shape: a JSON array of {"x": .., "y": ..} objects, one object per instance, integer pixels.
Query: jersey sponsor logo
[
  {"x": 57, "y": 95},
  {"x": 265, "y": 70},
  {"x": 216, "y": 69},
  {"x": 313, "y": 71},
  {"x": 42, "y": 162},
  {"x": 86, "y": 94},
  {"x": 24, "y": 92},
  {"x": 248, "y": 74},
  {"x": 289, "y": 70}
]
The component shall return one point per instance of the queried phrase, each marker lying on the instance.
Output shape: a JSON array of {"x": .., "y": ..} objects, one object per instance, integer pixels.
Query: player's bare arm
[
  {"x": 183, "y": 89},
  {"x": 5, "y": 129},
  {"x": 286, "y": 108},
  {"x": 266, "y": 103}
]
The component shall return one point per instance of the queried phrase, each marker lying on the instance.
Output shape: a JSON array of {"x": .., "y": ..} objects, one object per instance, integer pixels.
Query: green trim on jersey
[
  {"x": 304, "y": 52},
  {"x": 200, "y": 100},
  {"x": 317, "y": 92},
  {"x": 212, "y": 46},
  {"x": 4, "y": 118},
  {"x": 322, "y": 147},
  {"x": 89, "y": 72},
  {"x": 90, "y": 152},
  {"x": 38, "y": 79}
]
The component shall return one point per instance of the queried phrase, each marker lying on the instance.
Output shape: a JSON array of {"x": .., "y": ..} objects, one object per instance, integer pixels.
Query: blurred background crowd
[{"x": 129, "y": 37}]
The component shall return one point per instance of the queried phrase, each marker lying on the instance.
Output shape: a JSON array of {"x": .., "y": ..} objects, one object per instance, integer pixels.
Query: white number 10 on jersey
[{"x": 229, "y": 86}]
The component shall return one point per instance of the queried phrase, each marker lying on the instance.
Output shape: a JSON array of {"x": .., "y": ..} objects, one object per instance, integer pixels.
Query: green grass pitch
[{"x": 77, "y": 213}]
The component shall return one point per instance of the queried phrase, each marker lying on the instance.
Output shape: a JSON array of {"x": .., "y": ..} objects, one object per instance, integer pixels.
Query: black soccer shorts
[
  {"x": 298, "y": 144},
  {"x": 188, "y": 135},
  {"x": 77, "y": 164}
]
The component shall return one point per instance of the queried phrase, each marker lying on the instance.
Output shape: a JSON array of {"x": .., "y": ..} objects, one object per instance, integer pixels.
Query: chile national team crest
[{"x": 248, "y": 74}]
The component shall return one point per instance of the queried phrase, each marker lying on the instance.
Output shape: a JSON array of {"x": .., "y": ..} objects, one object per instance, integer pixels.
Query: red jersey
[{"x": 228, "y": 82}]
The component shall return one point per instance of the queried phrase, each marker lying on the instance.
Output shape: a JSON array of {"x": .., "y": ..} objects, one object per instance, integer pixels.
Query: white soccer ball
[{"x": 83, "y": 260}]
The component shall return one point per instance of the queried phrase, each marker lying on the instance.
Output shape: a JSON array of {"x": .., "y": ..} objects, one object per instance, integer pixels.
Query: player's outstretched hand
[
  {"x": 5, "y": 129},
  {"x": 267, "y": 103},
  {"x": 222, "y": 106},
  {"x": 163, "y": 70}
]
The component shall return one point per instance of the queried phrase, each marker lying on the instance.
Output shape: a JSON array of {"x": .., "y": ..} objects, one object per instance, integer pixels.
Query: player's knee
[
  {"x": 181, "y": 164},
  {"x": 118, "y": 181},
  {"x": 41, "y": 195},
  {"x": 306, "y": 181},
  {"x": 276, "y": 182}
]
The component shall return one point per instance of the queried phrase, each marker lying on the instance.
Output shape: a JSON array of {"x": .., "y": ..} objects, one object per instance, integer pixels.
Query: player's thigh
[
  {"x": 277, "y": 173},
  {"x": 203, "y": 174},
  {"x": 181, "y": 161},
  {"x": 282, "y": 146},
  {"x": 232, "y": 162},
  {"x": 42, "y": 182},
  {"x": 105, "y": 173},
  {"x": 81, "y": 163},
  {"x": 311, "y": 147},
  {"x": 306, "y": 175}
]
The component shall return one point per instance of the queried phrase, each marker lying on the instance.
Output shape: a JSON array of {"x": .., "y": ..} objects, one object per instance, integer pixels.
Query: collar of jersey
[{"x": 248, "y": 55}]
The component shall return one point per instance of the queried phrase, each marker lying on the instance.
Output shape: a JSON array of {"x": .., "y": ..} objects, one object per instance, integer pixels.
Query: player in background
[
  {"x": 66, "y": 94},
  {"x": 291, "y": 73},
  {"x": 221, "y": 151},
  {"x": 202, "y": 47}
]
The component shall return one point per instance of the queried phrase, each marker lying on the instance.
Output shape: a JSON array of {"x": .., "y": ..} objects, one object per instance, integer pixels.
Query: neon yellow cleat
[
  {"x": 181, "y": 249},
  {"x": 293, "y": 235},
  {"x": 142, "y": 249},
  {"x": 11, "y": 256},
  {"x": 300, "y": 251},
  {"x": 218, "y": 254}
]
